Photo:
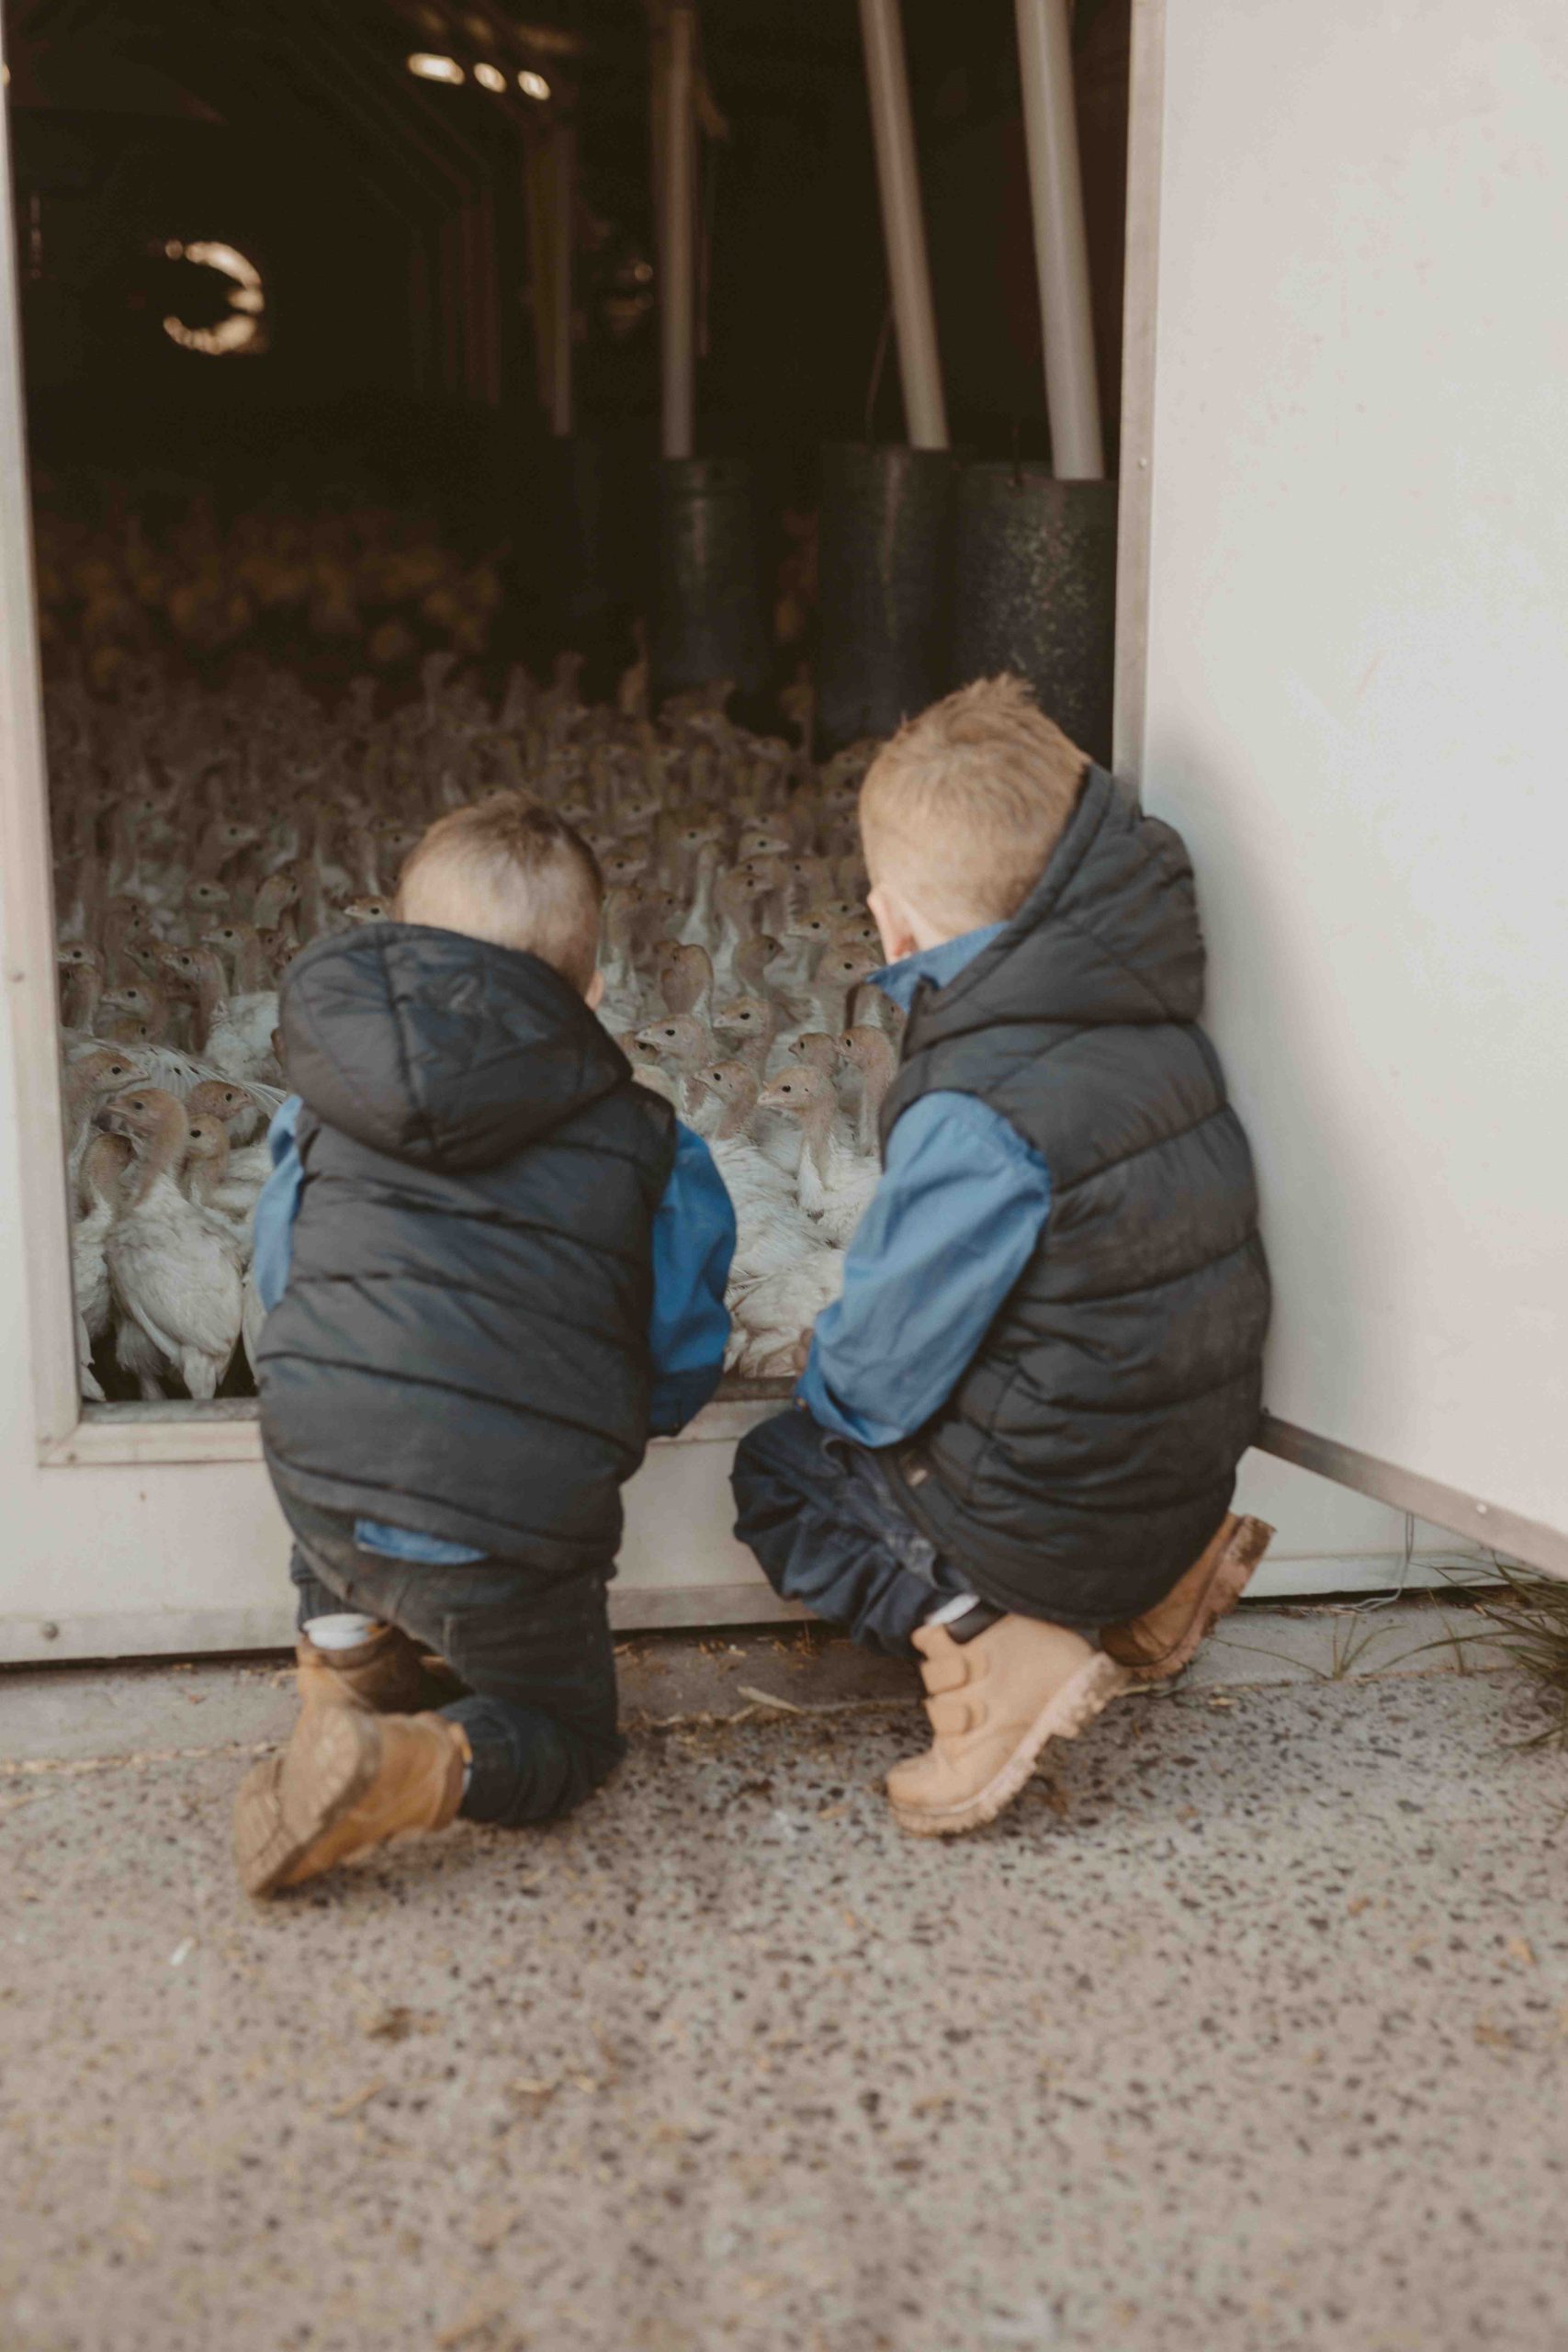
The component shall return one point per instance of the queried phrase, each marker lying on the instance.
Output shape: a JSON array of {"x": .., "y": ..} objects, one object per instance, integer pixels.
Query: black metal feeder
[
  {"x": 1034, "y": 590},
  {"x": 885, "y": 557},
  {"x": 709, "y": 620}
]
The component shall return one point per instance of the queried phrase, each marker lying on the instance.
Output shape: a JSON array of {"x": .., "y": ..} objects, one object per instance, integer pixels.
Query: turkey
[
  {"x": 90, "y": 1078},
  {"x": 772, "y": 1321},
  {"x": 835, "y": 1182},
  {"x": 173, "y": 1276},
  {"x": 227, "y": 1206},
  {"x": 241, "y": 1110},
  {"x": 102, "y": 1166},
  {"x": 771, "y": 1230},
  {"x": 873, "y": 1054},
  {"x": 235, "y": 1034},
  {"x": 784, "y": 1272}
]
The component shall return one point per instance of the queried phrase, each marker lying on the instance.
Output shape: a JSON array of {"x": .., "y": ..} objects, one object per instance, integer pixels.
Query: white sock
[
  {"x": 949, "y": 1611},
  {"x": 344, "y": 1630}
]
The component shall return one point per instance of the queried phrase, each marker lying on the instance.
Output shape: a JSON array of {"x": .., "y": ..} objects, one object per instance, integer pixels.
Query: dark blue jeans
[
  {"x": 823, "y": 1516},
  {"x": 533, "y": 1649}
]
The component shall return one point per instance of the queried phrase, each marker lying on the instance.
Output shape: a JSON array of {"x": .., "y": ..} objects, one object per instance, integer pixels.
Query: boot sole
[
  {"x": 287, "y": 1803},
  {"x": 1070, "y": 1710},
  {"x": 1235, "y": 1570}
]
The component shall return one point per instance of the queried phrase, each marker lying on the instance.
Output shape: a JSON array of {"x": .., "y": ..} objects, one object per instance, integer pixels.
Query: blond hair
[
  {"x": 961, "y": 808},
  {"x": 512, "y": 872}
]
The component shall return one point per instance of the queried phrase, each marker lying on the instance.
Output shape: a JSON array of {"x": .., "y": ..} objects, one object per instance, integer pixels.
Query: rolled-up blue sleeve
[
  {"x": 957, "y": 1216},
  {"x": 688, "y": 1330},
  {"x": 277, "y": 1206}
]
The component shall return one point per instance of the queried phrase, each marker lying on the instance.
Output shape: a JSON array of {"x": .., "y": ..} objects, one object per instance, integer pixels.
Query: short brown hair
[
  {"x": 964, "y": 805},
  {"x": 507, "y": 870}
]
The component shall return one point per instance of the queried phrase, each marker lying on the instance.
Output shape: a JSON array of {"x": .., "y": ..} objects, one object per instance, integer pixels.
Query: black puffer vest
[
  {"x": 1089, "y": 1450},
  {"x": 462, "y": 1348}
]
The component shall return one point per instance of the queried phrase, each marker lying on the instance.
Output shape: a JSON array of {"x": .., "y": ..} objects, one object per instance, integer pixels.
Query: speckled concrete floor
[{"x": 1247, "y": 2028}]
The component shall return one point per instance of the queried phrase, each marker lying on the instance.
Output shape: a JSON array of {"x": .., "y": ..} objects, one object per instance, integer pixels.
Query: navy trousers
[
  {"x": 533, "y": 1647},
  {"x": 823, "y": 1516}
]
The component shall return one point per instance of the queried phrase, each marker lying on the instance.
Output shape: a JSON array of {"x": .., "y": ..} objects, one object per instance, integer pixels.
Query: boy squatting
[{"x": 1020, "y": 1426}]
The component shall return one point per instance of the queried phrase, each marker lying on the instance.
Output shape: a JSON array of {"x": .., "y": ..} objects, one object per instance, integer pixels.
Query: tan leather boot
[
  {"x": 994, "y": 1702},
  {"x": 348, "y": 1780},
  {"x": 382, "y": 1672},
  {"x": 1166, "y": 1637}
]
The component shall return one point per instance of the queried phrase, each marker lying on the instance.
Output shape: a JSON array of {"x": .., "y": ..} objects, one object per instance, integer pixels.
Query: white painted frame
[{"x": 133, "y": 1531}]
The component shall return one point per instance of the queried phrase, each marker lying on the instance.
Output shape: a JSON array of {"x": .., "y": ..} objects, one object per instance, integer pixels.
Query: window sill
[{"x": 139, "y": 1435}]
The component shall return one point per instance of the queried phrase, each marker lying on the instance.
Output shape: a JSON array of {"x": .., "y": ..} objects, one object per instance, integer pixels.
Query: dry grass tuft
[{"x": 1528, "y": 1616}]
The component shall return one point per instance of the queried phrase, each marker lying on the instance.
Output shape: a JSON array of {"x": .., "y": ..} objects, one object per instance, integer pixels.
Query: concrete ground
[{"x": 1248, "y": 2028}]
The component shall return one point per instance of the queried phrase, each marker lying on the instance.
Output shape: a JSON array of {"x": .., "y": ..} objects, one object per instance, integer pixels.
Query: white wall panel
[{"x": 1356, "y": 701}]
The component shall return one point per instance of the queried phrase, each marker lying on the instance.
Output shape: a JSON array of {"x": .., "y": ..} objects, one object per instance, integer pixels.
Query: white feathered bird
[
  {"x": 834, "y": 1182},
  {"x": 175, "y": 1276}
]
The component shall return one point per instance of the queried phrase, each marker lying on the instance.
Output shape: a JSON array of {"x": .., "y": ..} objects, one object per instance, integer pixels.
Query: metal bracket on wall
[{"x": 1501, "y": 1531}]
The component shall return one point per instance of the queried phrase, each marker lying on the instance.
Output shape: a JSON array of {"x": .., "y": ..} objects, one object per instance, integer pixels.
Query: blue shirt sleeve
[
  {"x": 694, "y": 1242},
  {"x": 958, "y": 1214},
  {"x": 407, "y": 1543},
  {"x": 277, "y": 1206}
]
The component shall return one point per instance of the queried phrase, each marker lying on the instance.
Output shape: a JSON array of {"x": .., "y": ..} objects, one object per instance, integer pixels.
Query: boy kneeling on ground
[
  {"x": 494, "y": 1266},
  {"x": 1021, "y": 1424}
]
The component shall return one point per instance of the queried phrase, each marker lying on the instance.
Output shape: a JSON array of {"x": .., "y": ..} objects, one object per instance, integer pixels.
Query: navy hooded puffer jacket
[
  {"x": 462, "y": 1348},
  {"x": 1089, "y": 1450}
]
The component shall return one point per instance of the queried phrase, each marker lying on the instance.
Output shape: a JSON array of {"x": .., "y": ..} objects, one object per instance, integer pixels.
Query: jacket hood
[
  {"x": 437, "y": 1048},
  {"x": 1109, "y": 934}
]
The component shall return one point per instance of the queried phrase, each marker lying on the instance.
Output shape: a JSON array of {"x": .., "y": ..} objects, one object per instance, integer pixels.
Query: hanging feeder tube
[
  {"x": 1061, "y": 241},
  {"x": 899, "y": 181}
]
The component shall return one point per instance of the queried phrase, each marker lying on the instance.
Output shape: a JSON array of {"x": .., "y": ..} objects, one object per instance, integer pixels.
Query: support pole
[
  {"x": 677, "y": 146},
  {"x": 537, "y": 213},
  {"x": 1061, "y": 244},
  {"x": 908, "y": 270},
  {"x": 563, "y": 217}
]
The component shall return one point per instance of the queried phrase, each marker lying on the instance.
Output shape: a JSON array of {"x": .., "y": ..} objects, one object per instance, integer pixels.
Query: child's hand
[{"x": 800, "y": 1353}]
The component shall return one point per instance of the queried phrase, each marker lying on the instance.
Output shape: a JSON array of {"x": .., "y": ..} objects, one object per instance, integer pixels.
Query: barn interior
[{"x": 424, "y": 400}]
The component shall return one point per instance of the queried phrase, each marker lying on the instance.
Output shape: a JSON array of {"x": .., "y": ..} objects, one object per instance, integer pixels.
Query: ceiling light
[
  {"x": 429, "y": 67},
  {"x": 240, "y": 329},
  {"x": 232, "y": 334},
  {"x": 490, "y": 77},
  {"x": 548, "y": 41},
  {"x": 533, "y": 86},
  {"x": 209, "y": 254}
]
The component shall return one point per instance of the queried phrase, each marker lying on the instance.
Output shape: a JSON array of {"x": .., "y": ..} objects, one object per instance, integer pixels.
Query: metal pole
[
  {"x": 908, "y": 271},
  {"x": 1061, "y": 245},
  {"x": 563, "y": 207},
  {"x": 536, "y": 201},
  {"x": 678, "y": 241},
  {"x": 658, "y": 79}
]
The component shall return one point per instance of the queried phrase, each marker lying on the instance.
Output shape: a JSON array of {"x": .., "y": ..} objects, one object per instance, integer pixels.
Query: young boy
[
  {"x": 1021, "y": 1423},
  {"x": 494, "y": 1265}
]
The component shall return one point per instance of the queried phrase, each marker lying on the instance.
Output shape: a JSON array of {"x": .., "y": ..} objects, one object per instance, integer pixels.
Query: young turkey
[
  {"x": 103, "y": 1164},
  {"x": 835, "y": 1181},
  {"x": 175, "y": 1276},
  {"x": 874, "y": 1053},
  {"x": 784, "y": 1271},
  {"x": 207, "y": 1181}
]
